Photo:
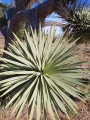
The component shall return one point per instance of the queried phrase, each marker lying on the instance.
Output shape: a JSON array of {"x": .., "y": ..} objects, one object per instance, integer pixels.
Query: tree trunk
[
  {"x": 33, "y": 16},
  {"x": 23, "y": 4},
  {"x": 54, "y": 24},
  {"x": 12, "y": 9}
]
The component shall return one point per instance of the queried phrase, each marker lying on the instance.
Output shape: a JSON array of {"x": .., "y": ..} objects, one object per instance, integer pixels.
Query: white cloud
[
  {"x": 54, "y": 17},
  {"x": 60, "y": 20}
]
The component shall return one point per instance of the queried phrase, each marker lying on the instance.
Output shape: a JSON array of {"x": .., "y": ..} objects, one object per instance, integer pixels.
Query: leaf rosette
[{"x": 42, "y": 74}]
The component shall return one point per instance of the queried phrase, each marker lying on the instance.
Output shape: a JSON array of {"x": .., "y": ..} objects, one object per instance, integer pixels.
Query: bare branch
[
  {"x": 12, "y": 9},
  {"x": 54, "y": 24},
  {"x": 24, "y": 4},
  {"x": 13, "y": 3},
  {"x": 61, "y": 7},
  {"x": 16, "y": 1},
  {"x": 45, "y": 9},
  {"x": 38, "y": 14},
  {"x": 15, "y": 21},
  {"x": 33, "y": 16}
]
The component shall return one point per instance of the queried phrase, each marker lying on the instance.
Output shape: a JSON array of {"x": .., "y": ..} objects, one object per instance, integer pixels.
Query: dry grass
[{"x": 6, "y": 114}]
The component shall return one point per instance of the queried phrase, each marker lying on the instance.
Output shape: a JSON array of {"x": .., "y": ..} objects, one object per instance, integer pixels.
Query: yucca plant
[
  {"x": 3, "y": 10},
  {"x": 79, "y": 23},
  {"x": 41, "y": 74}
]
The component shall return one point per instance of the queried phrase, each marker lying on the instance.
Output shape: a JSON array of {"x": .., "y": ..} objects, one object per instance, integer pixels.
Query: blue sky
[{"x": 6, "y": 1}]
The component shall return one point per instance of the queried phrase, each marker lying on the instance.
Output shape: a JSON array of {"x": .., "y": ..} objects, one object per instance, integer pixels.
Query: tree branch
[
  {"x": 15, "y": 21},
  {"x": 23, "y": 4},
  {"x": 12, "y": 9},
  {"x": 54, "y": 24},
  {"x": 38, "y": 14},
  {"x": 62, "y": 8},
  {"x": 16, "y": 1},
  {"x": 45, "y": 9},
  {"x": 33, "y": 16}
]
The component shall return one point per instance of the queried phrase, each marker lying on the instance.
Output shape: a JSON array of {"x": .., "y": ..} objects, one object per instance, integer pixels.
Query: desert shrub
[
  {"x": 79, "y": 22},
  {"x": 41, "y": 74}
]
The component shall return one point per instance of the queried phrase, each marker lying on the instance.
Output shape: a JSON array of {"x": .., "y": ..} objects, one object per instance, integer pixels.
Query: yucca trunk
[
  {"x": 33, "y": 16},
  {"x": 24, "y": 4},
  {"x": 18, "y": 12}
]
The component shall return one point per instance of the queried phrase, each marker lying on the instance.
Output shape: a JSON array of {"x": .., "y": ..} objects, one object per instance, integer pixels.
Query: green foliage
[
  {"x": 3, "y": 8},
  {"x": 2, "y": 14},
  {"x": 39, "y": 1},
  {"x": 79, "y": 22},
  {"x": 41, "y": 74},
  {"x": 22, "y": 27},
  {"x": 20, "y": 31}
]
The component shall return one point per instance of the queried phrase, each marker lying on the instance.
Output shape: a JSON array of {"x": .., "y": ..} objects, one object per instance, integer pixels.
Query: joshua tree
[
  {"x": 20, "y": 12},
  {"x": 79, "y": 21}
]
